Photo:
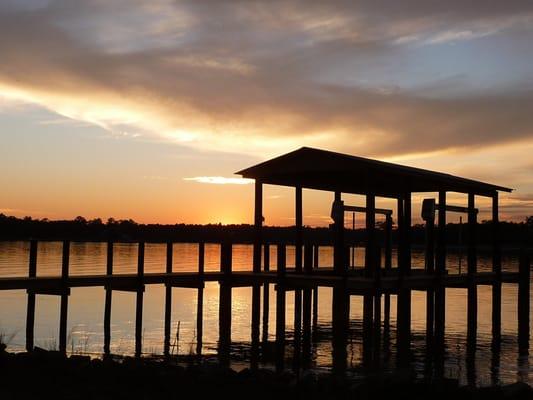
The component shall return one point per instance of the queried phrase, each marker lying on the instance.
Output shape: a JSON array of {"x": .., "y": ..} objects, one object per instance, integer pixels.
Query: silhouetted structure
[{"x": 377, "y": 278}]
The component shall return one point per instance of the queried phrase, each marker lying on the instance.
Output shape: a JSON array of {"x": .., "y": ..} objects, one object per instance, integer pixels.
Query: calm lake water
[{"x": 86, "y": 307}]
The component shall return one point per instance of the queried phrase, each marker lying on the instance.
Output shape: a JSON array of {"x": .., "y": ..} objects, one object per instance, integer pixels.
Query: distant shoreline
[{"x": 513, "y": 235}]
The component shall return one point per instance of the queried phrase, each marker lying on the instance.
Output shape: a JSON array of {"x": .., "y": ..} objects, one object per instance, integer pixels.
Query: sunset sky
[{"x": 133, "y": 108}]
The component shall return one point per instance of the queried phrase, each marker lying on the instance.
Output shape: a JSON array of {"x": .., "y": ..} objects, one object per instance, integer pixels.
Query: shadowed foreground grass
[{"x": 47, "y": 374}]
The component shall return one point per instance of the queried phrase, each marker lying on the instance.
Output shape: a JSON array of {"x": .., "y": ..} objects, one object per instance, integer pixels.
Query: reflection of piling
[
  {"x": 306, "y": 328},
  {"x": 368, "y": 306},
  {"x": 404, "y": 326},
  {"x": 256, "y": 318},
  {"x": 340, "y": 326},
  {"x": 523, "y": 303},
  {"x": 297, "y": 343},
  {"x": 280, "y": 309},
  {"x": 280, "y": 328},
  {"x": 108, "y": 300},
  {"x": 224, "y": 305},
  {"x": 266, "y": 296},
  {"x": 30, "y": 313}
]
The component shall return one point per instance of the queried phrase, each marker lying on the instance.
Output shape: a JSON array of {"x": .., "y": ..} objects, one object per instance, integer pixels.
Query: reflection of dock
[{"x": 376, "y": 281}]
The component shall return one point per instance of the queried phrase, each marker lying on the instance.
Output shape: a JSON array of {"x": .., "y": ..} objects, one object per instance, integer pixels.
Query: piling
[
  {"x": 108, "y": 301},
  {"x": 64, "y": 298},
  {"x": 30, "y": 312},
  {"x": 139, "y": 301}
]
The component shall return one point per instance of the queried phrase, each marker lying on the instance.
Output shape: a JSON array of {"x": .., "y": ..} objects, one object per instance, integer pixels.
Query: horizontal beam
[{"x": 360, "y": 209}]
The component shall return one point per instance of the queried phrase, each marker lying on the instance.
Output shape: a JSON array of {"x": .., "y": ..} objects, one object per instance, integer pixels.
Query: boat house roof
[{"x": 327, "y": 170}]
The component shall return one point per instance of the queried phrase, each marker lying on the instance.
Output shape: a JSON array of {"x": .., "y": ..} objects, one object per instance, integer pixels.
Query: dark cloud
[{"x": 263, "y": 69}]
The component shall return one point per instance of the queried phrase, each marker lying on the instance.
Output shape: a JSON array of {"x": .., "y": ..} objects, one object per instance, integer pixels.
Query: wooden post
[
  {"x": 430, "y": 269},
  {"x": 523, "y": 303},
  {"x": 224, "y": 307},
  {"x": 441, "y": 234},
  {"x": 339, "y": 251},
  {"x": 226, "y": 257},
  {"x": 472, "y": 269},
  {"x": 316, "y": 253},
  {"x": 315, "y": 313},
  {"x": 497, "y": 269},
  {"x": 64, "y": 298},
  {"x": 282, "y": 260},
  {"x": 30, "y": 312},
  {"x": 280, "y": 327},
  {"x": 472, "y": 225},
  {"x": 308, "y": 258},
  {"x": 168, "y": 302},
  {"x": 108, "y": 300},
  {"x": 266, "y": 257},
  {"x": 407, "y": 234},
  {"x": 139, "y": 301},
  {"x": 388, "y": 242},
  {"x": 266, "y": 296},
  {"x": 201, "y": 258},
  {"x": 370, "y": 261},
  {"x": 258, "y": 223},
  {"x": 299, "y": 230},
  {"x": 440, "y": 290}
]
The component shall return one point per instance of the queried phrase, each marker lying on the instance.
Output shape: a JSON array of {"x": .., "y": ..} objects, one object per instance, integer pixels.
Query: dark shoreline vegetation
[
  {"x": 512, "y": 234},
  {"x": 48, "y": 374}
]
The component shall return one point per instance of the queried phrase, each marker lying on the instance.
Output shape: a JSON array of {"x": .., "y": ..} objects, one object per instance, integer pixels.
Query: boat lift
[
  {"x": 429, "y": 208},
  {"x": 338, "y": 209}
]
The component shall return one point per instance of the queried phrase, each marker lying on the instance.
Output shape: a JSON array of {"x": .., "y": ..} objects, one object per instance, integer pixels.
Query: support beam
[
  {"x": 108, "y": 301},
  {"x": 441, "y": 235},
  {"x": 472, "y": 228},
  {"x": 168, "y": 303},
  {"x": 258, "y": 224},
  {"x": 63, "y": 315},
  {"x": 407, "y": 233},
  {"x": 339, "y": 253},
  {"x": 497, "y": 269},
  {"x": 370, "y": 262},
  {"x": 299, "y": 230},
  {"x": 30, "y": 312},
  {"x": 139, "y": 301},
  {"x": 280, "y": 328},
  {"x": 388, "y": 242},
  {"x": 308, "y": 258}
]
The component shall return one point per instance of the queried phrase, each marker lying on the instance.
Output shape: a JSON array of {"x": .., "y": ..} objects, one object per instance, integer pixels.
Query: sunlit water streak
[{"x": 86, "y": 305}]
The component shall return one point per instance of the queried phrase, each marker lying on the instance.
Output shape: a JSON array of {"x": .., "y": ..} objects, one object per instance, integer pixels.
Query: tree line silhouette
[{"x": 82, "y": 229}]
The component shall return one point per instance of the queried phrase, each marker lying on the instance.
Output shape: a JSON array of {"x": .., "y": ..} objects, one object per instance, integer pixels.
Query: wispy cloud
[{"x": 220, "y": 180}]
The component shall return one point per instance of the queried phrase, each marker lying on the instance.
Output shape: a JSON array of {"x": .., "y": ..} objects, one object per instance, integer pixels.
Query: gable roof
[{"x": 327, "y": 170}]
